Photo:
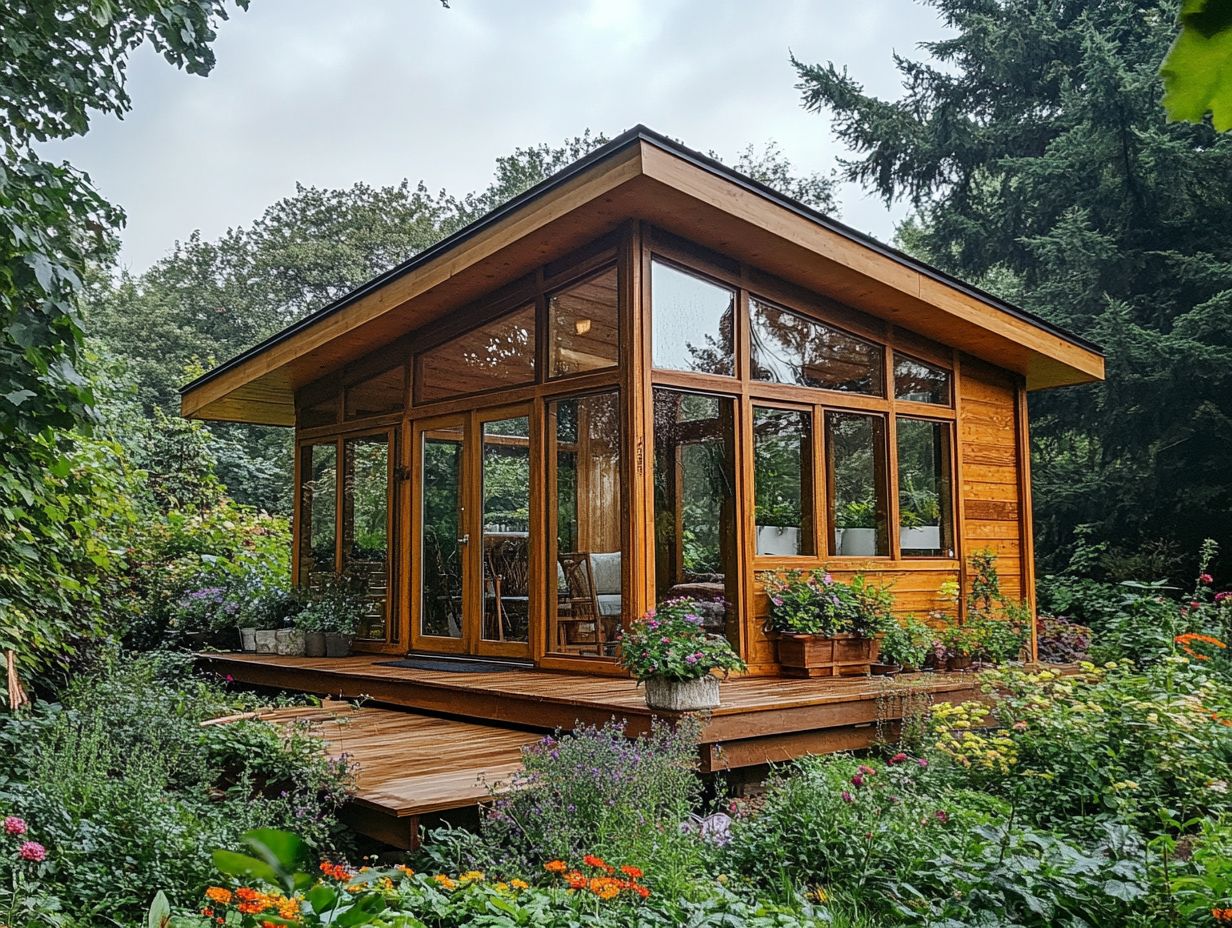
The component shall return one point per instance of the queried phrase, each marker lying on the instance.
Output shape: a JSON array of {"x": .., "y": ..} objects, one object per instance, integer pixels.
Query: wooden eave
[{"x": 640, "y": 175}]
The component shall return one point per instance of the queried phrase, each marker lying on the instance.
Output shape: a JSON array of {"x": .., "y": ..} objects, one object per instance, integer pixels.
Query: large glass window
[
  {"x": 324, "y": 412},
  {"x": 585, "y": 544},
  {"x": 377, "y": 395},
  {"x": 692, "y": 321},
  {"x": 791, "y": 348},
  {"x": 506, "y": 529},
  {"x": 783, "y": 481},
  {"x": 365, "y": 528},
  {"x": 496, "y": 355},
  {"x": 440, "y": 609},
  {"x": 925, "y": 506},
  {"x": 856, "y": 478},
  {"x": 583, "y": 326},
  {"x": 695, "y": 503},
  {"x": 923, "y": 383},
  {"x": 318, "y": 511}
]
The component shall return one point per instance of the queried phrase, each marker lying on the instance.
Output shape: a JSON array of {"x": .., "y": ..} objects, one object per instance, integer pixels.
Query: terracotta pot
[
  {"x": 337, "y": 645},
  {"x": 683, "y": 695},
  {"x": 248, "y": 639},
  {"x": 845, "y": 655},
  {"x": 314, "y": 644},
  {"x": 266, "y": 640},
  {"x": 290, "y": 642}
]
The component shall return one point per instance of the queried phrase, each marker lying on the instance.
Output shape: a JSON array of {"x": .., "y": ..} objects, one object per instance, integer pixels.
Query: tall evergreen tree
[{"x": 1039, "y": 163}]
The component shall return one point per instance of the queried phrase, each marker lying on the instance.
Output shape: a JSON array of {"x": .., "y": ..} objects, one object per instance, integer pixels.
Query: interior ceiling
[{"x": 261, "y": 388}]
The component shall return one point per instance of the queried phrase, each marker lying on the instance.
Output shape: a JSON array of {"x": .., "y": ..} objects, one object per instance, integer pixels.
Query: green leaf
[
  {"x": 280, "y": 849},
  {"x": 160, "y": 911},
  {"x": 321, "y": 897},
  {"x": 233, "y": 863},
  {"x": 1197, "y": 72}
]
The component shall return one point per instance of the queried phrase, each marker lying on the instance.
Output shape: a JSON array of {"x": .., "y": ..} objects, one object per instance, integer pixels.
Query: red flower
[
  {"x": 32, "y": 851},
  {"x": 897, "y": 758},
  {"x": 634, "y": 872},
  {"x": 1206, "y": 578},
  {"x": 14, "y": 825},
  {"x": 857, "y": 780}
]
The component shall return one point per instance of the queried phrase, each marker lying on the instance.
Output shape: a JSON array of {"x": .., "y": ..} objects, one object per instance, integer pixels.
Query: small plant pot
[
  {"x": 248, "y": 639},
  {"x": 957, "y": 662},
  {"x": 683, "y": 695},
  {"x": 885, "y": 670},
  {"x": 314, "y": 644},
  {"x": 290, "y": 642},
  {"x": 266, "y": 641},
  {"x": 338, "y": 645}
]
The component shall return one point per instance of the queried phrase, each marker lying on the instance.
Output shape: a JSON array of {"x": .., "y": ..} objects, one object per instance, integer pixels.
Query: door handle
[{"x": 465, "y": 539}]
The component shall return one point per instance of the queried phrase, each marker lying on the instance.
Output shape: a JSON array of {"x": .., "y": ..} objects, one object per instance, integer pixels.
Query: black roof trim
[{"x": 639, "y": 133}]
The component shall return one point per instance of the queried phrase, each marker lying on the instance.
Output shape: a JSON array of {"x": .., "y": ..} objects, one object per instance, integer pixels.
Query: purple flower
[
  {"x": 847, "y": 797},
  {"x": 923, "y": 762},
  {"x": 942, "y": 816},
  {"x": 857, "y": 780},
  {"x": 690, "y": 659}
]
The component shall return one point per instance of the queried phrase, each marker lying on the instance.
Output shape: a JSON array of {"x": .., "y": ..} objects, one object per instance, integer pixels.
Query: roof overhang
[{"x": 645, "y": 176}]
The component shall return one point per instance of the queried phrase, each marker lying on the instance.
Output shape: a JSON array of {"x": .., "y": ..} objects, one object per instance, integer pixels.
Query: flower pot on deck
[
  {"x": 290, "y": 642},
  {"x": 265, "y": 640},
  {"x": 338, "y": 645},
  {"x": 226, "y": 639},
  {"x": 843, "y": 655},
  {"x": 683, "y": 695},
  {"x": 248, "y": 639},
  {"x": 314, "y": 644}
]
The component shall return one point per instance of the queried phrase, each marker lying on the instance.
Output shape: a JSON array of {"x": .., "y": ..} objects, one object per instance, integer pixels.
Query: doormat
[{"x": 425, "y": 663}]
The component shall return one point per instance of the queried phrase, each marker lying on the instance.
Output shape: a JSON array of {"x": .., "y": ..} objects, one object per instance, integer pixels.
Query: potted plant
[
  {"x": 312, "y": 624},
  {"x": 906, "y": 643},
  {"x": 205, "y": 617},
  {"x": 333, "y": 610},
  {"x": 958, "y": 646},
  {"x": 857, "y": 528},
  {"x": 823, "y": 627},
  {"x": 670, "y": 651}
]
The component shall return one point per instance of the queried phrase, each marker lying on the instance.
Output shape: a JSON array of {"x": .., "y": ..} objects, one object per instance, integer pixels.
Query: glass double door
[{"x": 472, "y": 541}]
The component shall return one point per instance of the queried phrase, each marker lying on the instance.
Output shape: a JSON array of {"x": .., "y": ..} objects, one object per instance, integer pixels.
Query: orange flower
[
  {"x": 1191, "y": 637},
  {"x": 641, "y": 891},
  {"x": 575, "y": 880},
  {"x": 246, "y": 894},
  {"x": 592, "y": 861},
  {"x": 556, "y": 866},
  {"x": 404, "y": 870},
  {"x": 444, "y": 882},
  {"x": 218, "y": 894},
  {"x": 251, "y": 908},
  {"x": 634, "y": 872},
  {"x": 519, "y": 884},
  {"x": 1223, "y": 916},
  {"x": 335, "y": 871}
]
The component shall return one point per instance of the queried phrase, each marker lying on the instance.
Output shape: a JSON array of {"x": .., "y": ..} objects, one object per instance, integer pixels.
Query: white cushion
[
  {"x": 609, "y": 603},
  {"x": 606, "y": 569}
]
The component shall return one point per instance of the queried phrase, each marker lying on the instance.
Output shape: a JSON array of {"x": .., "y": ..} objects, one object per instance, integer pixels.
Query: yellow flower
[
  {"x": 471, "y": 876},
  {"x": 818, "y": 894},
  {"x": 444, "y": 881},
  {"x": 519, "y": 884}
]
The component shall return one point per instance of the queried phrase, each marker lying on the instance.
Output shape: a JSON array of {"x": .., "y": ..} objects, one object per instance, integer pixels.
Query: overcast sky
[{"x": 328, "y": 93}]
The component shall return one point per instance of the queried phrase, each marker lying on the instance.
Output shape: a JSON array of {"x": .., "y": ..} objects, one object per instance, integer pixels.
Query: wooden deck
[
  {"x": 401, "y": 771},
  {"x": 762, "y": 719}
]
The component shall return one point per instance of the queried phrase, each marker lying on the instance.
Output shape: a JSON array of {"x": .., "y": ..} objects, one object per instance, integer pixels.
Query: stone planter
[
  {"x": 290, "y": 642},
  {"x": 778, "y": 540},
  {"x": 338, "y": 645},
  {"x": 248, "y": 639},
  {"x": 683, "y": 695},
  {"x": 266, "y": 641},
  {"x": 858, "y": 542},
  {"x": 845, "y": 655},
  {"x": 314, "y": 644}
]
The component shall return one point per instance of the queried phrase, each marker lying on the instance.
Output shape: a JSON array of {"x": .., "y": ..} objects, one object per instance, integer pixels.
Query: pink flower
[
  {"x": 1206, "y": 578},
  {"x": 847, "y": 797},
  {"x": 923, "y": 762},
  {"x": 229, "y": 678},
  {"x": 1020, "y": 726},
  {"x": 1195, "y": 605},
  {"x": 14, "y": 825},
  {"x": 690, "y": 658},
  {"x": 867, "y": 770},
  {"x": 32, "y": 851},
  {"x": 897, "y": 758},
  {"x": 942, "y": 816},
  {"x": 1220, "y": 597},
  {"x": 857, "y": 780}
]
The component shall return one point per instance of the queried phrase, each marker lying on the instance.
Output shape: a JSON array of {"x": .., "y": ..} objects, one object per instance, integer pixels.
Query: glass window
[
  {"x": 856, "y": 476},
  {"x": 695, "y": 503},
  {"x": 498, "y": 354},
  {"x": 322, "y": 413},
  {"x": 692, "y": 321},
  {"x": 365, "y": 528},
  {"x": 790, "y": 348},
  {"x": 583, "y": 326},
  {"x": 925, "y": 507},
  {"x": 318, "y": 511},
  {"x": 923, "y": 383},
  {"x": 440, "y": 608},
  {"x": 585, "y": 546},
  {"x": 377, "y": 395},
  {"x": 506, "y": 529},
  {"x": 783, "y": 481}
]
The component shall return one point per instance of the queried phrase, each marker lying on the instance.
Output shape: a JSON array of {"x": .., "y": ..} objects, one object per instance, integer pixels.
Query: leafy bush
[
  {"x": 129, "y": 793},
  {"x": 814, "y": 603},
  {"x": 1060, "y": 641},
  {"x": 594, "y": 791},
  {"x": 672, "y": 643},
  {"x": 907, "y": 642}
]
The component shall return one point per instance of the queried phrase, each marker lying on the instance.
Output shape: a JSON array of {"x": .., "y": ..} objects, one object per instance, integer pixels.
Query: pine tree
[{"x": 1039, "y": 163}]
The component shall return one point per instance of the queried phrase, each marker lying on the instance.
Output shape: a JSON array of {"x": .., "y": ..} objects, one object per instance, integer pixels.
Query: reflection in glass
[
  {"x": 506, "y": 529},
  {"x": 498, "y": 354},
  {"x": 365, "y": 528},
  {"x": 318, "y": 510},
  {"x": 583, "y": 326},
  {"x": 925, "y": 510},
  {"x": 923, "y": 383},
  {"x": 856, "y": 465},
  {"x": 442, "y": 534},
  {"x": 377, "y": 395},
  {"x": 790, "y": 348},
  {"x": 322, "y": 413},
  {"x": 692, "y": 322},
  {"x": 585, "y": 545},
  {"x": 783, "y": 481},
  {"x": 695, "y": 503}
]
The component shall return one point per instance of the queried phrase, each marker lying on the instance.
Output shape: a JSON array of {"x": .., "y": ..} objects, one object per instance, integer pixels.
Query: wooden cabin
[{"x": 649, "y": 376}]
